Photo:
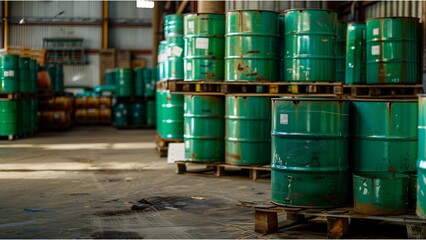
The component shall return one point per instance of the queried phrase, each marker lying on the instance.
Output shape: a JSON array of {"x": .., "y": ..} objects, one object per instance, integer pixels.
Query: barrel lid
[
  {"x": 377, "y": 18},
  {"x": 308, "y": 9},
  {"x": 382, "y": 100},
  {"x": 204, "y": 13},
  {"x": 251, "y": 10}
]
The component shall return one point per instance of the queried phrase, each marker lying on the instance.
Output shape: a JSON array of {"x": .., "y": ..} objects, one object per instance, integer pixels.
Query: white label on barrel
[
  {"x": 189, "y": 66},
  {"x": 11, "y": 73},
  {"x": 375, "y": 31},
  {"x": 169, "y": 52},
  {"x": 6, "y": 73},
  {"x": 177, "y": 51},
  {"x": 284, "y": 119},
  {"x": 191, "y": 26},
  {"x": 375, "y": 50},
  {"x": 202, "y": 43}
]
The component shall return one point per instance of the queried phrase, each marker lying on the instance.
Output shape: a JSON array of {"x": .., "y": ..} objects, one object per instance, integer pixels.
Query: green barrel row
[
  {"x": 134, "y": 114},
  {"x": 310, "y": 48},
  {"x": 355, "y": 54},
  {"x": 341, "y": 51},
  {"x": 421, "y": 160},
  {"x": 9, "y": 74},
  {"x": 162, "y": 60},
  {"x": 169, "y": 114},
  {"x": 204, "y": 128},
  {"x": 309, "y": 148},
  {"x": 392, "y": 50},
  {"x": 139, "y": 83},
  {"x": 247, "y": 130},
  {"x": 251, "y": 47},
  {"x": 173, "y": 31},
  {"x": 18, "y": 117},
  {"x": 204, "y": 47},
  {"x": 110, "y": 77}
]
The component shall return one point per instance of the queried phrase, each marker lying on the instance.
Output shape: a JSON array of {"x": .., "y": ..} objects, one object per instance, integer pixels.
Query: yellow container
[
  {"x": 81, "y": 103},
  {"x": 81, "y": 116},
  {"x": 105, "y": 115},
  {"x": 92, "y": 102},
  {"x": 105, "y": 102},
  {"x": 92, "y": 115}
]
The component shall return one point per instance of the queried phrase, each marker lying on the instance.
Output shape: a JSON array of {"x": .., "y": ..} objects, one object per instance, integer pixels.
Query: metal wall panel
[
  {"x": 48, "y": 9},
  {"x": 87, "y": 75},
  {"x": 394, "y": 9},
  {"x": 128, "y": 10},
  {"x": 278, "y": 6},
  {"x": 32, "y": 36}
]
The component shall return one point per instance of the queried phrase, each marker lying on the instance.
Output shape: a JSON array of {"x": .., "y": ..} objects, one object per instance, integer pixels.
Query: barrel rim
[
  {"x": 377, "y": 18},
  {"x": 173, "y": 14},
  {"x": 250, "y": 10},
  {"x": 202, "y": 13},
  {"x": 383, "y": 100},
  {"x": 308, "y": 9},
  {"x": 380, "y": 175}
]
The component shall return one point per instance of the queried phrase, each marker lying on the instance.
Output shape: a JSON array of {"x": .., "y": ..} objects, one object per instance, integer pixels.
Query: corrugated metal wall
[
  {"x": 394, "y": 9},
  {"x": 83, "y": 74},
  {"x": 127, "y": 10},
  {"x": 48, "y": 9},
  {"x": 278, "y": 6}
]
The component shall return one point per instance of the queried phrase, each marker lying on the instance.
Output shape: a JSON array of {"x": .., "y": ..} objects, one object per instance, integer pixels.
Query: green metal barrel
[
  {"x": 384, "y": 135},
  {"x": 139, "y": 82},
  {"x": 138, "y": 114},
  {"x": 204, "y": 47},
  {"x": 251, "y": 45},
  {"x": 309, "y": 152},
  {"x": 355, "y": 53},
  {"x": 110, "y": 77},
  {"x": 9, "y": 75},
  {"x": 310, "y": 45},
  {"x": 392, "y": 50},
  {"x": 162, "y": 60},
  {"x": 204, "y": 128},
  {"x": 120, "y": 115},
  {"x": 173, "y": 25},
  {"x": 149, "y": 82},
  {"x": 169, "y": 115},
  {"x": 341, "y": 51},
  {"x": 281, "y": 25},
  {"x": 8, "y": 117},
  {"x": 33, "y": 78},
  {"x": 379, "y": 193},
  {"x": 150, "y": 113},
  {"x": 247, "y": 130},
  {"x": 175, "y": 53},
  {"x": 24, "y": 75},
  {"x": 124, "y": 82},
  {"x": 421, "y": 160}
]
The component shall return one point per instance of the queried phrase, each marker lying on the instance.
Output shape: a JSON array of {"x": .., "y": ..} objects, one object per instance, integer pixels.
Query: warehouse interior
[{"x": 229, "y": 119}]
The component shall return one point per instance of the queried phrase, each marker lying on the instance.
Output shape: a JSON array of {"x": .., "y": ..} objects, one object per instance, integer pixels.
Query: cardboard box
[
  {"x": 124, "y": 59},
  {"x": 138, "y": 63},
  {"x": 107, "y": 61}
]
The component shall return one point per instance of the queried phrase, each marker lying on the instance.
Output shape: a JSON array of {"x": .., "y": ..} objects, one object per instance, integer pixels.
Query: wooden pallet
[
  {"x": 129, "y": 127},
  {"x": 219, "y": 169},
  {"x": 162, "y": 85},
  {"x": 383, "y": 91},
  {"x": 197, "y": 87},
  {"x": 9, "y": 96},
  {"x": 133, "y": 99},
  {"x": 162, "y": 145},
  {"x": 266, "y": 219},
  {"x": 38, "y": 54}
]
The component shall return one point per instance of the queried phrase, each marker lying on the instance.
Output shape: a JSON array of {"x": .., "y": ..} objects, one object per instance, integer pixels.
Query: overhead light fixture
[
  {"x": 22, "y": 21},
  {"x": 144, "y": 3}
]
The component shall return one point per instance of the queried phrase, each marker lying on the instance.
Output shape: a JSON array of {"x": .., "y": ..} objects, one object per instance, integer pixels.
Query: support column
[
  {"x": 6, "y": 24},
  {"x": 155, "y": 31},
  {"x": 104, "y": 24}
]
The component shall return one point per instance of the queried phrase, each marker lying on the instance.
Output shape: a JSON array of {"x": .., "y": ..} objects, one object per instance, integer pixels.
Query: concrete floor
[{"x": 96, "y": 182}]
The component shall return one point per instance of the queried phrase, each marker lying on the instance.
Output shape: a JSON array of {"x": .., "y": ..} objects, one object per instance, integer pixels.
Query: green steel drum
[
  {"x": 8, "y": 117},
  {"x": 149, "y": 82},
  {"x": 173, "y": 25},
  {"x": 110, "y": 77},
  {"x": 392, "y": 50},
  {"x": 412, "y": 188},
  {"x": 120, "y": 115},
  {"x": 138, "y": 114},
  {"x": 24, "y": 75},
  {"x": 251, "y": 45},
  {"x": 162, "y": 60},
  {"x": 310, "y": 45},
  {"x": 341, "y": 51},
  {"x": 421, "y": 160},
  {"x": 384, "y": 135},
  {"x": 204, "y": 128},
  {"x": 139, "y": 82},
  {"x": 9, "y": 75},
  {"x": 169, "y": 115},
  {"x": 150, "y": 113},
  {"x": 33, "y": 78},
  {"x": 175, "y": 52},
  {"x": 204, "y": 47},
  {"x": 309, "y": 152},
  {"x": 281, "y": 25},
  {"x": 355, "y": 54},
  {"x": 247, "y": 130},
  {"x": 124, "y": 82},
  {"x": 380, "y": 193}
]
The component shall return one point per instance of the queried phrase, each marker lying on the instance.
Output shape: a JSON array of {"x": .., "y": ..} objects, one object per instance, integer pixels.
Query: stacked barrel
[
  {"x": 18, "y": 102},
  {"x": 92, "y": 109},
  {"x": 56, "y": 113}
]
